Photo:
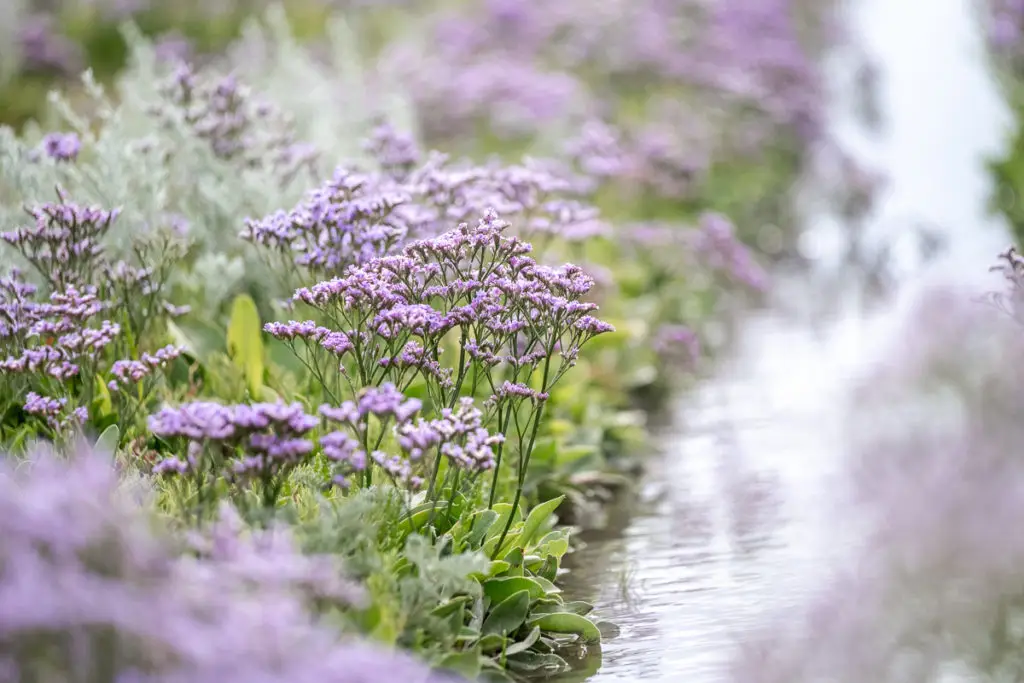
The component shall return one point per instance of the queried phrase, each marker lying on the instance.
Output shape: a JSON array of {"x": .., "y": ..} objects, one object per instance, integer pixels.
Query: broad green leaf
[
  {"x": 492, "y": 642},
  {"x": 499, "y": 590},
  {"x": 508, "y": 615},
  {"x": 498, "y": 567},
  {"x": 536, "y": 520},
  {"x": 467, "y": 635},
  {"x": 454, "y": 605},
  {"x": 421, "y": 514},
  {"x": 548, "y": 570},
  {"x": 245, "y": 342},
  {"x": 554, "y": 543},
  {"x": 524, "y": 645},
  {"x": 466, "y": 664},
  {"x": 547, "y": 605},
  {"x": 109, "y": 439},
  {"x": 503, "y": 510},
  {"x": 567, "y": 622},
  {"x": 514, "y": 556},
  {"x": 481, "y": 525},
  {"x": 579, "y": 607}
]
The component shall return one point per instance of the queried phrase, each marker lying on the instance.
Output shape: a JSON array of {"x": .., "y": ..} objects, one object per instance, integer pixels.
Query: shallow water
[{"x": 733, "y": 519}]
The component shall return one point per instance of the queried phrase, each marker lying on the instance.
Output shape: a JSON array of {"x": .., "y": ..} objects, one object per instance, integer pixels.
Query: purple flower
[
  {"x": 62, "y": 146},
  {"x": 64, "y": 244},
  {"x": 717, "y": 247},
  {"x": 89, "y": 577}
]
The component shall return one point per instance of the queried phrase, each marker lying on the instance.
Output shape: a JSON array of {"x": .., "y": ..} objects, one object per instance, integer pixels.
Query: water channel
[{"x": 733, "y": 520}]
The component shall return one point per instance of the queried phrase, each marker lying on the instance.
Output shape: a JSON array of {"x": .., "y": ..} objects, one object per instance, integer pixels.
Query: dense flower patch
[{"x": 356, "y": 380}]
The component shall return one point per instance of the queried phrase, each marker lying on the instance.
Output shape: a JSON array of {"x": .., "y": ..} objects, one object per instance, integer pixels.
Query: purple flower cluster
[
  {"x": 54, "y": 338},
  {"x": 53, "y": 411},
  {"x": 358, "y": 216},
  {"x": 65, "y": 247},
  {"x": 45, "y": 50},
  {"x": 62, "y": 146},
  {"x": 89, "y": 588},
  {"x": 258, "y": 442},
  {"x": 678, "y": 343},
  {"x": 349, "y": 220},
  {"x": 352, "y": 450},
  {"x": 458, "y": 434},
  {"x": 64, "y": 244},
  {"x": 716, "y": 245},
  {"x": 56, "y": 350},
  {"x": 519, "y": 68},
  {"x": 128, "y": 372},
  {"x": 1005, "y": 26},
  {"x": 237, "y": 126},
  {"x": 508, "y": 310}
]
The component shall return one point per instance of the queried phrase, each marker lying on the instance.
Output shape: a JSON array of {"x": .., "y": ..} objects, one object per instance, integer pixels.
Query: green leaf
[
  {"x": 245, "y": 342},
  {"x": 466, "y": 664},
  {"x": 421, "y": 513},
  {"x": 499, "y": 590},
  {"x": 509, "y": 615},
  {"x": 536, "y": 520},
  {"x": 555, "y": 543},
  {"x": 109, "y": 439},
  {"x": 481, "y": 525},
  {"x": 498, "y": 567},
  {"x": 567, "y": 622},
  {"x": 514, "y": 557},
  {"x": 503, "y": 510},
  {"x": 467, "y": 635},
  {"x": 524, "y": 645},
  {"x": 492, "y": 642},
  {"x": 549, "y": 588},
  {"x": 534, "y": 662},
  {"x": 453, "y": 605},
  {"x": 548, "y": 570},
  {"x": 579, "y": 607}
]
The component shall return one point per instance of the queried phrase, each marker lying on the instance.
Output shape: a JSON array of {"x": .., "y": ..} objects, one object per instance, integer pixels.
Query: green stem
[{"x": 524, "y": 458}]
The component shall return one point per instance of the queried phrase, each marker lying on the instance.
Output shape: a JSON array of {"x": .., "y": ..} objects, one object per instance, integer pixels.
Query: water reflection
[{"x": 733, "y": 520}]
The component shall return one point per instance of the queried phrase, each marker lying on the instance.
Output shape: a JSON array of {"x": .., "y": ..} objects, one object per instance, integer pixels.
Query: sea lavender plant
[
  {"x": 357, "y": 216},
  {"x": 90, "y": 589},
  {"x": 458, "y": 436},
  {"x": 254, "y": 447},
  {"x": 236, "y": 125},
  {"x": 57, "y": 353},
  {"x": 66, "y": 248},
  {"x": 716, "y": 245},
  {"x": 519, "y": 328},
  {"x": 63, "y": 245}
]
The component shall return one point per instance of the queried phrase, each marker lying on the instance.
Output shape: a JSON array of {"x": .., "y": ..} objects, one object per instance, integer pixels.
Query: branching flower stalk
[{"x": 386, "y": 324}]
